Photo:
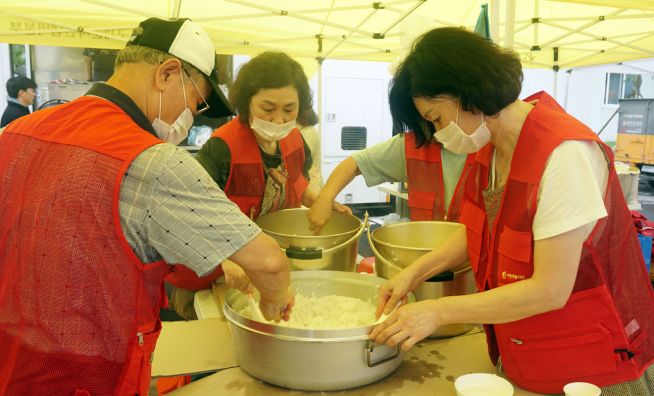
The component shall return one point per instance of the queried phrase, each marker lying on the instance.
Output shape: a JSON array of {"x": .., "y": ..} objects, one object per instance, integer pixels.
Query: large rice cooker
[
  {"x": 334, "y": 249},
  {"x": 315, "y": 360},
  {"x": 398, "y": 245}
]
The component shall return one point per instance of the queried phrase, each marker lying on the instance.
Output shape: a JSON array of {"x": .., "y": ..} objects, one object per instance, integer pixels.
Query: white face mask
[
  {"x": 177, "y": 131},
  {"x": 269, "y": 130},
  {"x": 457, "y": 141}
]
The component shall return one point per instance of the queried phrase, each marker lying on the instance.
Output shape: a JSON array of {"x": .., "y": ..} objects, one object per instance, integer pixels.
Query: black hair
[
  {"x": 455, "y": 62},
  {"x": 15, "y": 84},
  {"x": 271, "y": 70}
]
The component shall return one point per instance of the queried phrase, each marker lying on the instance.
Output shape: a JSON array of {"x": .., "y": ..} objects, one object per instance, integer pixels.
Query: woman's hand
[
  {"x": 236, "y": 278},
  {"x": 407, "y": 325},
  {"x": 319, "y": 214},
  {"x": 394, "y": 291},
  {"x": 340, "y": 208}
]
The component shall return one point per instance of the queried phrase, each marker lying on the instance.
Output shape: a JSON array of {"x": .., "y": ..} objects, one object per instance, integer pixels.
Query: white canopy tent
[
  {"x": 546, "y": 33},
  {"x": 549, "y": 34}
]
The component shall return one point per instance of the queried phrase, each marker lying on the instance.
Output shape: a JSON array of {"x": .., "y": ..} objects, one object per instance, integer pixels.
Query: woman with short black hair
[{"x": 563, "y": 288}]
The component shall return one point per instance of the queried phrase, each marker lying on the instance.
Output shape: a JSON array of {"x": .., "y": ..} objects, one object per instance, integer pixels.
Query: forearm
[
  {"x": 272, "y": 285},
  {"x": 501, "y": 305},
  {"x": 556, "y": 262},
  {"x": 344, "y": 173},
  {"x": 266, "y": 266},
  {"x": 309, "y": 197},
  {"x": 452, "y": 253}
]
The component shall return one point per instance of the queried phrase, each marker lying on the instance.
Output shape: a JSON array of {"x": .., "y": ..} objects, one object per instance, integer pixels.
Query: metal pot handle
[
  {"x": 370, "y": 347},
  {"x": 376, "y": 253},
  {"x": 298, "y": 253},
  {"x": 442, "y": 277},
  {"x": 316, "y": 253}
]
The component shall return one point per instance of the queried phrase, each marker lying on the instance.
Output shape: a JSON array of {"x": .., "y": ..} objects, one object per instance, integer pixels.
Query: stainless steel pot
[
  {"x": 334, "y": 249},
  {"x": 396, "y": 246},
  {"x": 316, "y": 360}
]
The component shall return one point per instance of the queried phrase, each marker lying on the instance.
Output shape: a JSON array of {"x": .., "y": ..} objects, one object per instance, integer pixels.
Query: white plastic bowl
[
  {"x": 482, "y": 384},
  {"x": 581, "y": 389}
]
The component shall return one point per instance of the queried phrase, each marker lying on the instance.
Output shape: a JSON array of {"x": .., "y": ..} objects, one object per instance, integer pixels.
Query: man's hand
[
  {"x": 236, "y": 278},
  {"x": 279, "y": 309}
]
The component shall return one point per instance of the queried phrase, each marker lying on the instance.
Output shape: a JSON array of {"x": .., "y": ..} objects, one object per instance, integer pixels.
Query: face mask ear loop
[
  {"x": 159, "y": 105},
  {"x": 183, "y": 90}
]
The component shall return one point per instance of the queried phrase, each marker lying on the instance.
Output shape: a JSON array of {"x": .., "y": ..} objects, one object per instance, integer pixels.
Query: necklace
[
  {"x": 499, "y": 177},
  {"x": 495, "y": 176}
]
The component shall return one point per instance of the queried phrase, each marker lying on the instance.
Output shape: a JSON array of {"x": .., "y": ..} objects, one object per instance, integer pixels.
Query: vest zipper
[
  {"x": 140, "y": 336},
  {"x": 516, "y": 341}
]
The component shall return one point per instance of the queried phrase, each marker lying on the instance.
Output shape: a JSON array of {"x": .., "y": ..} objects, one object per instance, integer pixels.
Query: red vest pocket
[
  {"x": 422, "y": 200},
  {"x": 514, "y": 256},
  {"x": 421, "y": 205},
  {"x": 138, "y": 368},
  {"x": 567, "y": 354}
]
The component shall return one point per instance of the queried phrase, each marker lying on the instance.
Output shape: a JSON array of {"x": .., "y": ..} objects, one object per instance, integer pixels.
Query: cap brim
[{"x": 219, "y": 106}]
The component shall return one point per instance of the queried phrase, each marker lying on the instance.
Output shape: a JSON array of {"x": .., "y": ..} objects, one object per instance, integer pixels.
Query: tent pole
[
  {"x": 319, "y": 97},
  {"x": 69, "y": 27},
  {"x": 567, "y": 89},
  {"x": 509, "y": 24},
  {"x": 579, "y": 29},
  {"x": 555, "y": 67},
  {"x": 536, "y": 16},
  {"x": 177, "y": 5}
]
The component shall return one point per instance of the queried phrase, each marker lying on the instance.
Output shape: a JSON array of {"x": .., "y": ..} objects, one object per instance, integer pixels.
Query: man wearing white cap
[{"x": 95, "y": 208}]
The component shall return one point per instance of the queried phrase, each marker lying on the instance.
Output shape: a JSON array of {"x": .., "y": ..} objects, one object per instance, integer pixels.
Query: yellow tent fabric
[{"x": 546, "y": 33}]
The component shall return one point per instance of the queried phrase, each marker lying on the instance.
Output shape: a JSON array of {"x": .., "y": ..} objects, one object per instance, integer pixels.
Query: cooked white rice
[{"x": 327, "y": 312}]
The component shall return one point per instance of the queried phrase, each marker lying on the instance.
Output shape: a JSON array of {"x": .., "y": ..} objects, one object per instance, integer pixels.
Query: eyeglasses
[{"x": 202, "y": 107}]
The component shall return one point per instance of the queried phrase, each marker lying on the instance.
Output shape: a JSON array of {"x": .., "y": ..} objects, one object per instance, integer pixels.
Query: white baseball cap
[{"x": 189, "y": 42}]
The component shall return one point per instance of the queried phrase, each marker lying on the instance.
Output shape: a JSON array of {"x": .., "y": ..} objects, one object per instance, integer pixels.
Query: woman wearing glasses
[{"x": 259, "y": 158}]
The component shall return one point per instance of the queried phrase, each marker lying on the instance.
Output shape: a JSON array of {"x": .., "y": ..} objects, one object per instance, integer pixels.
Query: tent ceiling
[{"x": 582, "y": 32}]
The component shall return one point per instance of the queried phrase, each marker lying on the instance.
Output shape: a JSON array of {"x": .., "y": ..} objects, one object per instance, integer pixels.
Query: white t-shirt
[{"x": 571, "y": 190}]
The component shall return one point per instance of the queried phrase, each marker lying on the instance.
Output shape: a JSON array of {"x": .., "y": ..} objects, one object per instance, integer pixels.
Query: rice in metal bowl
[{"x": 327, "y": 312}]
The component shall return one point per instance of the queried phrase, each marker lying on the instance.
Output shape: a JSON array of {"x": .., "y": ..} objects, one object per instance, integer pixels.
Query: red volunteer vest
[
  {"x": 245, "y": 185},
  {"x": 605, "y": 332},
  {"x": 424, "y": 170},
  {"x": 80, "y": 312}
]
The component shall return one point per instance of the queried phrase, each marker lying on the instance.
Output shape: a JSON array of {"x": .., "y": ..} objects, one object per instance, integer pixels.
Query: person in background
[
  {"x": 259, "y": 158},
  {"x": 21, "y": 92},
  {"x": 99, "y": 63},
  {"x": 563, "y": 289},
  {"x": 98, "y": 202},
  {"x": 435, "y": 176},
  {"x": 272, "y": 96}
]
